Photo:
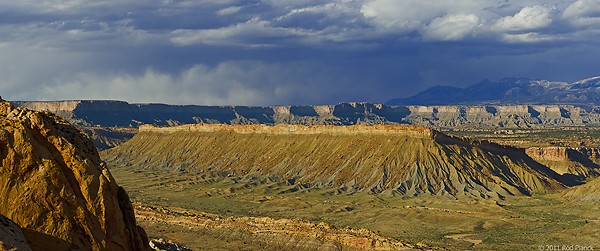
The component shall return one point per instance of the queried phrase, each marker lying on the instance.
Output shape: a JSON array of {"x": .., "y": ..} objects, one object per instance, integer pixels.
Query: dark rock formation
[{"x": 11, "y": 236}]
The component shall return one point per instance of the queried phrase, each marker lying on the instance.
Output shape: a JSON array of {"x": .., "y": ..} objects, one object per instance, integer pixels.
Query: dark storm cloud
[{"x": 285, "y": 51}]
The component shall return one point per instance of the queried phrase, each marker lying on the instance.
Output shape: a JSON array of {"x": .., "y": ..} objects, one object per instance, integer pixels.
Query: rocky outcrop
[
  {"x": 396, "y": 159},
  {"x": 567, "y": 161},
  {"x": 591, "y": 153},
  {"x": 264, "y": 233},
  {"x": 54, "y": 185},
  {"x": 11, "y": 236},
  {"x": 166, "y": 245},
  {"x": 587, "y": 192}
]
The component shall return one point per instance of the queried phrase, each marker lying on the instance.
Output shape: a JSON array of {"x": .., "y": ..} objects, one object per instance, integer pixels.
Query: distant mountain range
[{"x": 509, "y": 91}]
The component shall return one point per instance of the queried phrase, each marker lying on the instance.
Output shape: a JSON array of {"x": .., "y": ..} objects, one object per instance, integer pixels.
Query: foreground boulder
[{"x": 54, "y": 185}]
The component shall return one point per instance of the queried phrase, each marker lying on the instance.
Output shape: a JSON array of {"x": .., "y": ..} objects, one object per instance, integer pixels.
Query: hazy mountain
[{"x": 509, "y": 91}]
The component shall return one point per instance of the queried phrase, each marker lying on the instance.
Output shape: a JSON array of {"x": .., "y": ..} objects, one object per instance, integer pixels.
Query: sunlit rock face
[{"x": 54, "y": 185}]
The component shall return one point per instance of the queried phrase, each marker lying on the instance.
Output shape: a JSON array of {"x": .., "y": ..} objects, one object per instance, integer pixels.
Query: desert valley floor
[{"x": 204, "y": 203}]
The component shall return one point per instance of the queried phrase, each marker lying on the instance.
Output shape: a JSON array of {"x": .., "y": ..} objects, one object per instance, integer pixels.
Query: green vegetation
[{"x": 515, "y": 223}]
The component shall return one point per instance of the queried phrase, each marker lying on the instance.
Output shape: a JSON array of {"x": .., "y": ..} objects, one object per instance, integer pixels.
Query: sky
[{"x": 286, "y": 52}]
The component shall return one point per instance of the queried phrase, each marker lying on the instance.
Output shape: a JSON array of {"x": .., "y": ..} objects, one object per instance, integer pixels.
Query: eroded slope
[
  {"x": 587, "y": 192},
  {"x": 407, "y": 160}
]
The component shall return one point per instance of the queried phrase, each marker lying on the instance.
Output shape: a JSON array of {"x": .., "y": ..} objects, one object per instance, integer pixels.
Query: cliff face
[
  {"x": 117, "y": 113},
  {"x": 55, "y": 186},
  {"x": 577, "y": 162},
  {"x": 396, "y": 159}
]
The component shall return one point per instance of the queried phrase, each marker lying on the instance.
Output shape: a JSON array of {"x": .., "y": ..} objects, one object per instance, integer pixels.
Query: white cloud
[
  {"x": 252, "y": 33},
  {"x": 531, "y": 37},
  {"x": 229, "y": 10},
  {"x": 408, "y": 15},
  {"x": 529, "y": 18},
  {"x": 582, "y": 9},
  {"x": 156, "y": 51},
  {"x": 452, "y": 27},
  {"x": 583, "y": 13}
]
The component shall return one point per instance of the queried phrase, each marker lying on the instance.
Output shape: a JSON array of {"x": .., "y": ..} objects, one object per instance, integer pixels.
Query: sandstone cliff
[
  {"x": 55, "y": 186},
  {"x": 576, "y": 162},
  {"x": 118, "y": 113},
  {"x": 396, "y": 159}
]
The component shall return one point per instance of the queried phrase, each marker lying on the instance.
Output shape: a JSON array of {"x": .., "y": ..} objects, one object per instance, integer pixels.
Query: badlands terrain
[
  {"x": 418, "y": 186},
  {"x": 352, "y": 176}
]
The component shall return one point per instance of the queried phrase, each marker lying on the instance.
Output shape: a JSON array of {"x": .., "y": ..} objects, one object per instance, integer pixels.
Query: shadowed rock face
[
  {"x": 407, "y": 160},
  {"x": 11, "y": 236},
  {"x": 54, "y": 185},
  {"x": 117, "y": 113}
]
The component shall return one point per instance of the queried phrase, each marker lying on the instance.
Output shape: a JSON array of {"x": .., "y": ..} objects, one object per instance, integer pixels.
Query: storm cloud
[{"x": 278, "y": 52}]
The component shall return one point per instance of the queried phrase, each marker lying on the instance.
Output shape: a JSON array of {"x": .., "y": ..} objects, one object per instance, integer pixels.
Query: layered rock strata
[
  {"x": 397, "y": 159},
  {"x": 569, "y": 161},
  {"x": 54, "y": 185},
  {"x": 118, "y": 113}
]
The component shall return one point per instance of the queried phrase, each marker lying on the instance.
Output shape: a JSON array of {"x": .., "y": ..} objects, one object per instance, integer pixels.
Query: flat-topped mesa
[
  {"x": 398, "y": 130},
  {"x": 397, "y": 159},
  {"x": 118, "y": 113},
  {"x": 380, "y": 129}
]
